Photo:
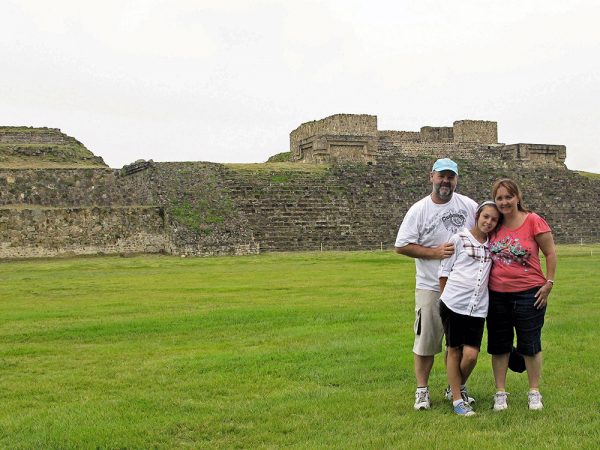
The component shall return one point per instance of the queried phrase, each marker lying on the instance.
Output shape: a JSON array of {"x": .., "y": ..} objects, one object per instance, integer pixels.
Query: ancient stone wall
[
  {"x": 354, "y": 138},
  {"x": 177, "y": 208},
  {"x": 436, "y": 134},
  {"x": 479, "y": 131},
  {"x": 349, "y": 137},
  {"x": 396, "y": 152},
  {"x": 43, "y": 147},
  {"x": 536, "y": 154},
  {"x": 201, "y": 217},
  {"x": 46, "y": 232},
  {"x": 54, "y": 212},
  {"x": 211, "y": 209},
  {"x": 360, "y": 207},
  {"x": 69, "y": 187},
  {"x": 31, "y": 135},
  {"x": 399, "y": 136},
  {"x": 338, "y": 124}
]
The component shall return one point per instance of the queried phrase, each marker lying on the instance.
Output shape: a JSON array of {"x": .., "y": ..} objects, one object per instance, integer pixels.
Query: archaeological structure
[{"x": 344, "y": 185}]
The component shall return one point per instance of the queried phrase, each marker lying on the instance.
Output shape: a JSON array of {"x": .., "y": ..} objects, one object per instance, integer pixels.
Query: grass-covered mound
[
  {"x": 280, "y": 157},
  {"x": 28, "y": 147}
]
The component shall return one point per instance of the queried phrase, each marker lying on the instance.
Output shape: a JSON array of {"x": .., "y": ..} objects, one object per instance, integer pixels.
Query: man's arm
[{"x": 442, "y": 251}]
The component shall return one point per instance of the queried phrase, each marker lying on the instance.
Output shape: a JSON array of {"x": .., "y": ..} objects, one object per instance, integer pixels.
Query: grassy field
[{"x": 305, "y": 350}]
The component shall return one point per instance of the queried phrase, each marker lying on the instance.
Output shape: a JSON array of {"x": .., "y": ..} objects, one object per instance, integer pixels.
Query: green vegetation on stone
[
  {"x": 280, "y": 157},
  {"x": 29, "y": 147},
  {"x": 592, "y": 175},
  {"x": 304, "y": 350},
  {"x": 278, "y": 166},
  {"x": 202, "y": 214},
  {"x": 281, "y": 178},
  {"x": 186, "y": 214}
]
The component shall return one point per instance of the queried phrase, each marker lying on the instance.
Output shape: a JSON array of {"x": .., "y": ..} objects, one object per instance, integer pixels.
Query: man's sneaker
[
  {"x": 535, "y": 400},
  {"x": 422, "y": 400},
  {"x": 464, "y": 409},
  {"x": 500, "y": 403},
  {"x": 463, "y": 393}
]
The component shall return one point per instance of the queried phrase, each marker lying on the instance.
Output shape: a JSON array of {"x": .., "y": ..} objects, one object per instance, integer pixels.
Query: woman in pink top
[{"x": 519, "y": 289}]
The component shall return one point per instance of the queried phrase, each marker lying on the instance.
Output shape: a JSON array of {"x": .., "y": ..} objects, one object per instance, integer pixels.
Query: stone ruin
[
  {"x": 47, "y": 147},
  {"x": 355, "y": 138},
  {"x": 347, "y": 187}
]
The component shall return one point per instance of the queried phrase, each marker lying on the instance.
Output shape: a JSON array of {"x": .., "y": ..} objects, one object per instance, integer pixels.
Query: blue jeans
[{"x": 510, "y": 313}]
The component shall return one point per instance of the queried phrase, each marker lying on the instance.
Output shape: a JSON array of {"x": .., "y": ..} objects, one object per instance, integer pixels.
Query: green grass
[
  {"x": 305, "y": 350},
  {"x": 592, "y": 175},
  {"x": 280, "y": 157},
  {"x": 31, "y": 163}
]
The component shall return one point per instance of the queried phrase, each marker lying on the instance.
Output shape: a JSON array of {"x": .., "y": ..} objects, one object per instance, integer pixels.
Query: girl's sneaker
[
  {"x": 463, "y": 393},
  {"x": 464, "y": 409},
  {"x": 535, "y": 400},
  {"x": 500, "y": 401}
]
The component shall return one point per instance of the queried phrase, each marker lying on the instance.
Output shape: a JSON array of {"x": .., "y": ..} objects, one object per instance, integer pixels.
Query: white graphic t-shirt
[{"x": 430, "y": 224}]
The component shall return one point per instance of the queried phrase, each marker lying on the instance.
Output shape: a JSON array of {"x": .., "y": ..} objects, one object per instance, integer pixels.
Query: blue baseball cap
[{"x": 445, "y": 164}]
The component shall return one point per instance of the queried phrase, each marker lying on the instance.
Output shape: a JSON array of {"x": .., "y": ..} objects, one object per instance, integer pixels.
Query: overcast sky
[{"x": 227, "y": 80}]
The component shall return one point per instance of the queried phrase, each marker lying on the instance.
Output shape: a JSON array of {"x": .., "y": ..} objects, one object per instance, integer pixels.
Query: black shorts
[
  {"x": 510, "y": 313},
  {"x": 461, "y": 329}
]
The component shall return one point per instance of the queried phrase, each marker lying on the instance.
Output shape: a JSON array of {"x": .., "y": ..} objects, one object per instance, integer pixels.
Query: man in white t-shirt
[{"x": 424, "y": 235}]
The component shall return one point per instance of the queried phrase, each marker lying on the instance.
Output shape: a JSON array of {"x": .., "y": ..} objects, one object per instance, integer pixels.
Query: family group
[{"x": 477, "y": 266}]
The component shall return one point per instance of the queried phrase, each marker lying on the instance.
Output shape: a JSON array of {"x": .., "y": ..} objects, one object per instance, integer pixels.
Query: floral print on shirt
[{"x": 509, "y": 250}]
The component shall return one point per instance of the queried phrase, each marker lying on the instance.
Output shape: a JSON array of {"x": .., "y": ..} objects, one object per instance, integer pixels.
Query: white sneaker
[
  {"x": 500, "y": 401},
  {"x": 535, "y": 400},
  {"x": 422, "y": 399},
  {"x": 463, "y": 393}
]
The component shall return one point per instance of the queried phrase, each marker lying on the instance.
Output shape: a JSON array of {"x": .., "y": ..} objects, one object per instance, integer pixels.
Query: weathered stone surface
[
  {"x": 477, "y": 131},
  {"x": 355, "y": 138},
  {"x": 29, "y": 232},
  {"x": 341, "y": 137},
  {"x": 43, "y": 147},
  {"x": 212, "y": 209},
  {"x": 356, "y": 206}
]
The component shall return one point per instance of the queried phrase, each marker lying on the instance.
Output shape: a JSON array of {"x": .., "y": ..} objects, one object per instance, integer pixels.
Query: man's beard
[{"x": 447, "y": 192}]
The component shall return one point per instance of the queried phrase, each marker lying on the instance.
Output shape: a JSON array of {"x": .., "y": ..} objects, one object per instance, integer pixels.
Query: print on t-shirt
[
  {"x": 453, "y": 220},
  {"x": 509, "y": 250}
]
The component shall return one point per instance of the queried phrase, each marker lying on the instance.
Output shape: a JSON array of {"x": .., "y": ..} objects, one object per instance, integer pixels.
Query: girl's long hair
[{"x": 482, "y": 206}]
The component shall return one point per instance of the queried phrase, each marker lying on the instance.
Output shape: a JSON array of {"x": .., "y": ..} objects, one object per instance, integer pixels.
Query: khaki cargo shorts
[{"x": 429, "y": 330}]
